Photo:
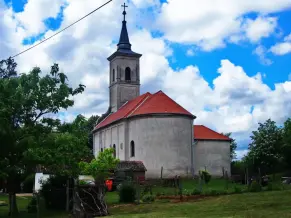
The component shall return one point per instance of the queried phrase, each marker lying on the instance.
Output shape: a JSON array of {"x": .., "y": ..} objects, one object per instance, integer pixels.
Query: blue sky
[{"x": 248, "y": 40}]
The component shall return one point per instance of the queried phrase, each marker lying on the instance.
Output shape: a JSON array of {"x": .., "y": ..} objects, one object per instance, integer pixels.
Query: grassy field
[{"x": 263, "y": 204}]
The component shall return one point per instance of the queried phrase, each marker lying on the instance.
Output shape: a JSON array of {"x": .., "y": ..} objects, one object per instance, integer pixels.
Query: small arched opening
[
  {"x": 101, "y": 149},
  {"x": 132, "y": 149},
  {"x": 127, "y": 74},
  {"x": 113, "y": 75},
  {"x": 114, "y": 150}
]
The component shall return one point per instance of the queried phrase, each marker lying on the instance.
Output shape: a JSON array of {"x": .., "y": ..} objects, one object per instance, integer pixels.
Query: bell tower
[{"x": 124, "y": 75}]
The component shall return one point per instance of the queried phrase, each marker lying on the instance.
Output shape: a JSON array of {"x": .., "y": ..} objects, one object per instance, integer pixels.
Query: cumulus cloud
[
  {"x": 261, "y": 52},
  {"x": 210, "y": 24},
  {"x": 282, "y": 48}
]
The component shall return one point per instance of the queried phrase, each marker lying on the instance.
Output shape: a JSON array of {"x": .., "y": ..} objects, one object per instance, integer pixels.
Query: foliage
[
  {"x": 148, "y": 198},
  {"x": 102, "y": 166},
  {"x": 61, "y": 153},
  {"x": 255, "y": 187},
  {"x": 205, "y": 176},
  {"x": 32, "y": 206},
  {"x": 28, "y": 183},
  {"x": 127, "y": 192},
  {"x": 233, "y": 146},
  {"x": 286, "y": 150},
  {"x": 54, "y": 192},
  {"x": 25, "y": 100},
  {"x": 266, "y": 146},
  {"x": 237, "y": 190},
  {"x": 196, "y": 192}
]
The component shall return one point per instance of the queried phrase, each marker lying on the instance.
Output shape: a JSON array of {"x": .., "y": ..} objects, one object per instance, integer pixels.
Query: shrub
[
  {"x": 127, "y": 193},
  {"x": 147, "y": 190},
  {"x": 274, "y": 187},
  {"x": 237, "y": 190},
  {"x": 148, "y": 198},
  {"x": 255, "y": 187},
  {"x": 196, "y": 192},
  {"x": 187, "y": 192},
  {"x": 205, "y": 176},
  {"x": 31, "y": 207},
  {"x": 28, "y": 184}
]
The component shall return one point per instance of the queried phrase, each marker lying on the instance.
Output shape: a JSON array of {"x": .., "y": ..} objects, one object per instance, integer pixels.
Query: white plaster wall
[
  {"x": 213, "y": 155},
  {"x": 109, "y": 136},
  {"x": 162, "y": 142}
]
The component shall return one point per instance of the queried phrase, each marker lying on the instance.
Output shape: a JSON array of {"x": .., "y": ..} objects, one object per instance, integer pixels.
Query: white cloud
[
  {"x": 282, "y": 48},
  {"x": 210, "y": 24},
  {"x": 190, "y": 52},
  {"x": 241, "y": 153},
  {"x": 261, "y": 52},
  {"x": 259, "y": 28},
  {"x": 289, "y": 76}
]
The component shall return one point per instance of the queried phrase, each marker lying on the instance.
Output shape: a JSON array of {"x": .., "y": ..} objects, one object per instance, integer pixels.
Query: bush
[
  {"x": 255, "y": 187},
  {"x": 28, "y": 184},
  {"x": 274, "y": 187},
  {"x": 205, "y": 176},
  {"x": 31, "y": 207},
  {"x": 196, "y": 192},
  {"x": 148, "y": 198},
  {"x": 237, "y": 190},
  {"x": 127, "y": 193}
]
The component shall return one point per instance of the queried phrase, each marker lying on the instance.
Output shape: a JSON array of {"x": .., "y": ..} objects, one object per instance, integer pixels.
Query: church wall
[
  {"x": 213, "y": 155},
  {"x": 108, "y": 137},
  {"x": 162, "y": 142}
]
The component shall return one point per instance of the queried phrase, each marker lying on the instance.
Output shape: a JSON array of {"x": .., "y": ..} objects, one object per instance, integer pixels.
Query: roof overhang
[{"x": 144, "y": 115}]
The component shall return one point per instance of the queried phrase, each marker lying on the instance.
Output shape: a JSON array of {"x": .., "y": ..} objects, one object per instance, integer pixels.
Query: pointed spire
[{"x": 124, "y": 39}]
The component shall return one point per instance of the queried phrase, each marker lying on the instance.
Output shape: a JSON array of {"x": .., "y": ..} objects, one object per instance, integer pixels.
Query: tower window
[
  {"x": 127, "y": 74},
  {"x": 132, "y": 149},
  {"x": 113, "y": 75},
  {"x": 114, "y": 150},
  {"x": 101, "y": 149}
]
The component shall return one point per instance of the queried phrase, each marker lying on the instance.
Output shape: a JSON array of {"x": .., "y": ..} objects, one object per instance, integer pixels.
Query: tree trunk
[{"x": 13, "y": 210}]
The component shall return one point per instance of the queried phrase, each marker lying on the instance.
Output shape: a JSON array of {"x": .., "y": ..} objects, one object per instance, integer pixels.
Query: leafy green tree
[
  {"x": 24, "y": 101},
  {"x": 265, "y": 149},
  {"x": 100, "y": 167},
  {"x": 286, "y": 150},
  {"x": 233, "y": 146},
  {"x": 60, "y": 153}
]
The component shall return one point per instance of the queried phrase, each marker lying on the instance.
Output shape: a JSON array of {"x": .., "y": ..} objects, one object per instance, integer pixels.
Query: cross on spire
[{"x": 124, "y": 12}]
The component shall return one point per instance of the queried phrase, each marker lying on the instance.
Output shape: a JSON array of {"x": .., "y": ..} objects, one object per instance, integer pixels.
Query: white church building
[{"x": 152, "y": 127}]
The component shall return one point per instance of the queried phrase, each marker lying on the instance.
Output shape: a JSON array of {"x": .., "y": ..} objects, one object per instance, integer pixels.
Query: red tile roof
[
  {"x": 204, "y": 133},
  {"x": 158, "y": 103}
]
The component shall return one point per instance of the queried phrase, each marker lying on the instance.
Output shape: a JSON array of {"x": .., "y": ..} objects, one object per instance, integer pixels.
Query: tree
[
  {"x": 265, "y": 149},
  {"x": 24, "y": 100},
  {"x": 82, "y": 127},
  {"x": 100, "y": 168},
  {"x": 286, "y": 150},
  {"x": 233, "y": 146}
]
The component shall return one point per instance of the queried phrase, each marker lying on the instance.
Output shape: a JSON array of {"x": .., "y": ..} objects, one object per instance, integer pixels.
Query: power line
[{"x": 62, "y": 29}]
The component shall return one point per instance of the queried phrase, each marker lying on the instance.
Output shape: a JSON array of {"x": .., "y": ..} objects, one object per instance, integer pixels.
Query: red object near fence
[{"x": 109, "y": 184}]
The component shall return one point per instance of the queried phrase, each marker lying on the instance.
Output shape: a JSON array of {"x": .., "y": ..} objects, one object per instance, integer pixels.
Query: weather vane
[{"x": 124, "y": 12}]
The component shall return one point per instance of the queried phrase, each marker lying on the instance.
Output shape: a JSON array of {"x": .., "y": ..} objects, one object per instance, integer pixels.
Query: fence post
[{"x": 161, "y": 173}]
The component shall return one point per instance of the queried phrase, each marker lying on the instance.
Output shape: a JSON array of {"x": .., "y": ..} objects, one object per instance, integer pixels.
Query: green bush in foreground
[{"x": 127, "y": 193}]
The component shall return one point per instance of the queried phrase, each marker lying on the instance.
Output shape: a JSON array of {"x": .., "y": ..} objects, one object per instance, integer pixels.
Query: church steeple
[
  {"x": 124, "y": 76},
  {"x": 124, "y": 39}
]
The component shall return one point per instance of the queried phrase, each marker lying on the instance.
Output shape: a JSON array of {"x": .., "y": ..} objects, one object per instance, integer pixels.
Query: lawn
[{"x": 263, "y": 204}]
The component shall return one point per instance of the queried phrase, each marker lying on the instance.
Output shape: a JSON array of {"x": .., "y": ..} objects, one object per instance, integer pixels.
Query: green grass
[
  {"x": 263, "y": 204},
  {"x": 22, "y": 203}
]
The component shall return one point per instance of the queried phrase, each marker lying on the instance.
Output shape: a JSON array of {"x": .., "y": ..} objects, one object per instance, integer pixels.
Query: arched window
[
  {"x": 101, "y": 149},
  {"x": 113, "y": 75},
  {"x": 114, "y": 150},
  {"x": 132, "y": 149},
  {"x": 121, "y": 146},
  {"x": 127, "y": 74}
]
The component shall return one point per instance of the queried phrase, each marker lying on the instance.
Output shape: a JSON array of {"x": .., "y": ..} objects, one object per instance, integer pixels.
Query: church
[{"x": 152, "y": 127}]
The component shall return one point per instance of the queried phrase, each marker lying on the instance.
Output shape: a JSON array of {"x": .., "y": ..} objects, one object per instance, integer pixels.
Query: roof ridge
[
  {"x": 139, "y": 104},
  {"x": 103, "y": 119},
  {"x": 141, "y": 100}
]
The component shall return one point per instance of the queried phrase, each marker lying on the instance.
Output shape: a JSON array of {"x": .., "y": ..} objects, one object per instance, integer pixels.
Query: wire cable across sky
[{"x": 42, "y": 41}]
